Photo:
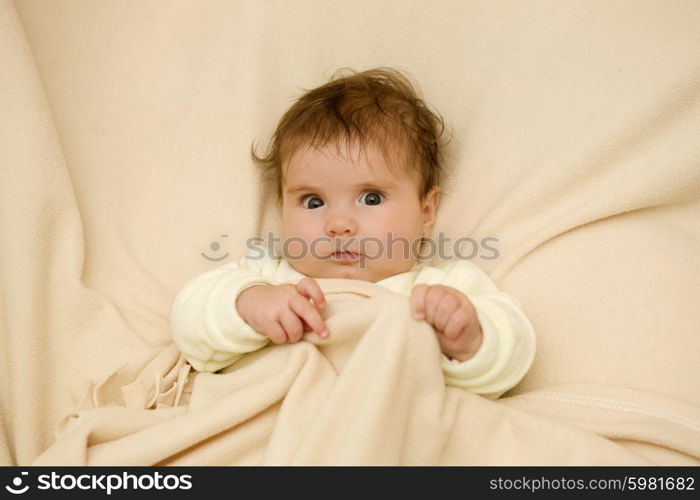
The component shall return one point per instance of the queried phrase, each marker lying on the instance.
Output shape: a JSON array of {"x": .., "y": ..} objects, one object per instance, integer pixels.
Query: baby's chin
[{"x": 355, "y": 271}]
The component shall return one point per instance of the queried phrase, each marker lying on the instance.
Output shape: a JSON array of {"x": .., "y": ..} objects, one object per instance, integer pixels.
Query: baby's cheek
[
  {"x": 373, "y": 248},
  {"x": 294, "y": 248},
  {"x": 306, "y": 266}
]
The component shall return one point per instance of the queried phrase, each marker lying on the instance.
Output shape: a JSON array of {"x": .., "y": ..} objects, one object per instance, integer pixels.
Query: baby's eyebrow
[
  {"x": 384, "y": 186},
  {"x": 296, "y": 189}
]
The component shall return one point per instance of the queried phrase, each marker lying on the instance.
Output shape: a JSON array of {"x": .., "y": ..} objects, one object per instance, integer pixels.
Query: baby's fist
[
  {"x": 452, "y": 316},
  {"x": 284, "y": 312}
]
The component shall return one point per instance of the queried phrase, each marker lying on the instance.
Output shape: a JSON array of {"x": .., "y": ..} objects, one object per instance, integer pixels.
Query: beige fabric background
[{"x": 576, "y": 145}]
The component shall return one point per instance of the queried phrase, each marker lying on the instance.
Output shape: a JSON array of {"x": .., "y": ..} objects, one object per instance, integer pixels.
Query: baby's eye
[
  {"x": 372, "y": 197},
  {"x": 314, "y": 201}
]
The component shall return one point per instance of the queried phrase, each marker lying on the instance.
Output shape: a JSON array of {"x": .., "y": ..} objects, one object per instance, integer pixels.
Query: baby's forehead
[{"x": 368, "y": 160}]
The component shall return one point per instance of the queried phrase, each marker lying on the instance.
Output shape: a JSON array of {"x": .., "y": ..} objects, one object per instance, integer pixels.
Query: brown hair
[{"x": 378, "y": 106}]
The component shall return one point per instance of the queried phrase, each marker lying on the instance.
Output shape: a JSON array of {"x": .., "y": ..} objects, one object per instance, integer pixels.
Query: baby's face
[{"x": 358, "y": 204}]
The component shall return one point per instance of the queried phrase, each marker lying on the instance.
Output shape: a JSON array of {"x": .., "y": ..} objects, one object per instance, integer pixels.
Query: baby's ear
[{"x": 431, "y": 202}]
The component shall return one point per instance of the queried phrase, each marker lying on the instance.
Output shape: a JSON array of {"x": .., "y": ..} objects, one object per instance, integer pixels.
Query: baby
[{"x": 357, "y": 165}]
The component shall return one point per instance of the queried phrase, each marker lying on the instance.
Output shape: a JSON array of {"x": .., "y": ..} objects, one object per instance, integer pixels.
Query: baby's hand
[
  {"x": 283, "y": 312},
  {"x": 453, "y": 317}
]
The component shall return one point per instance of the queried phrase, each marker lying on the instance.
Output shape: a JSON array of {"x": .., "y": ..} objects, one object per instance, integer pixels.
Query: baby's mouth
[{"x": 345, "y": 256}]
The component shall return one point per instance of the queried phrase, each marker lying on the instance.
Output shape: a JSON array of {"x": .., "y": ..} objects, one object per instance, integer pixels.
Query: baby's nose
[{"x": 341, "y": 223}]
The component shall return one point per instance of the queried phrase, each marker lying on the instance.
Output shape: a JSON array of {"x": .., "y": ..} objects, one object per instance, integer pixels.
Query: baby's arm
[
  {"x": 205, "y": 324},
  {"x": 491, "y": 343},
  {"x": 237, "y": 308}
]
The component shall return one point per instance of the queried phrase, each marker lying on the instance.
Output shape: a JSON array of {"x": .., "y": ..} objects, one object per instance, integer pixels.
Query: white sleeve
[
  {"x": 508, "y": 346},
  {"x": 205, "y": 324}
]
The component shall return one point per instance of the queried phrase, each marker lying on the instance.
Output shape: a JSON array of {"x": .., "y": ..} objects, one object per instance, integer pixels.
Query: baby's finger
[
  {"x": 306, "y": 311},
  {"x": 276, "y": 333},
  {"x": 292, "y": 326},
  {"x": 459, "y": 319},
  {"x": 448, "y": 346},
  {"x": 444, "y": 310},
  {"x": 432, "y": 299},
  {"x": 310, "y": 289},
  {"x": 418, "y": 301},
  {"x": 463, "y": 346}
]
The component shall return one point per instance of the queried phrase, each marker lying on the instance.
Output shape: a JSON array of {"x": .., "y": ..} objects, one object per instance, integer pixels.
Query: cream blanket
[
  {"x": 125, "y": 129},
  {"x": 372, "y": 394}
]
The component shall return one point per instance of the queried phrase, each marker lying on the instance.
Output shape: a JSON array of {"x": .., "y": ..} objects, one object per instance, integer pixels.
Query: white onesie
[{"x": 208, "y": 330}]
